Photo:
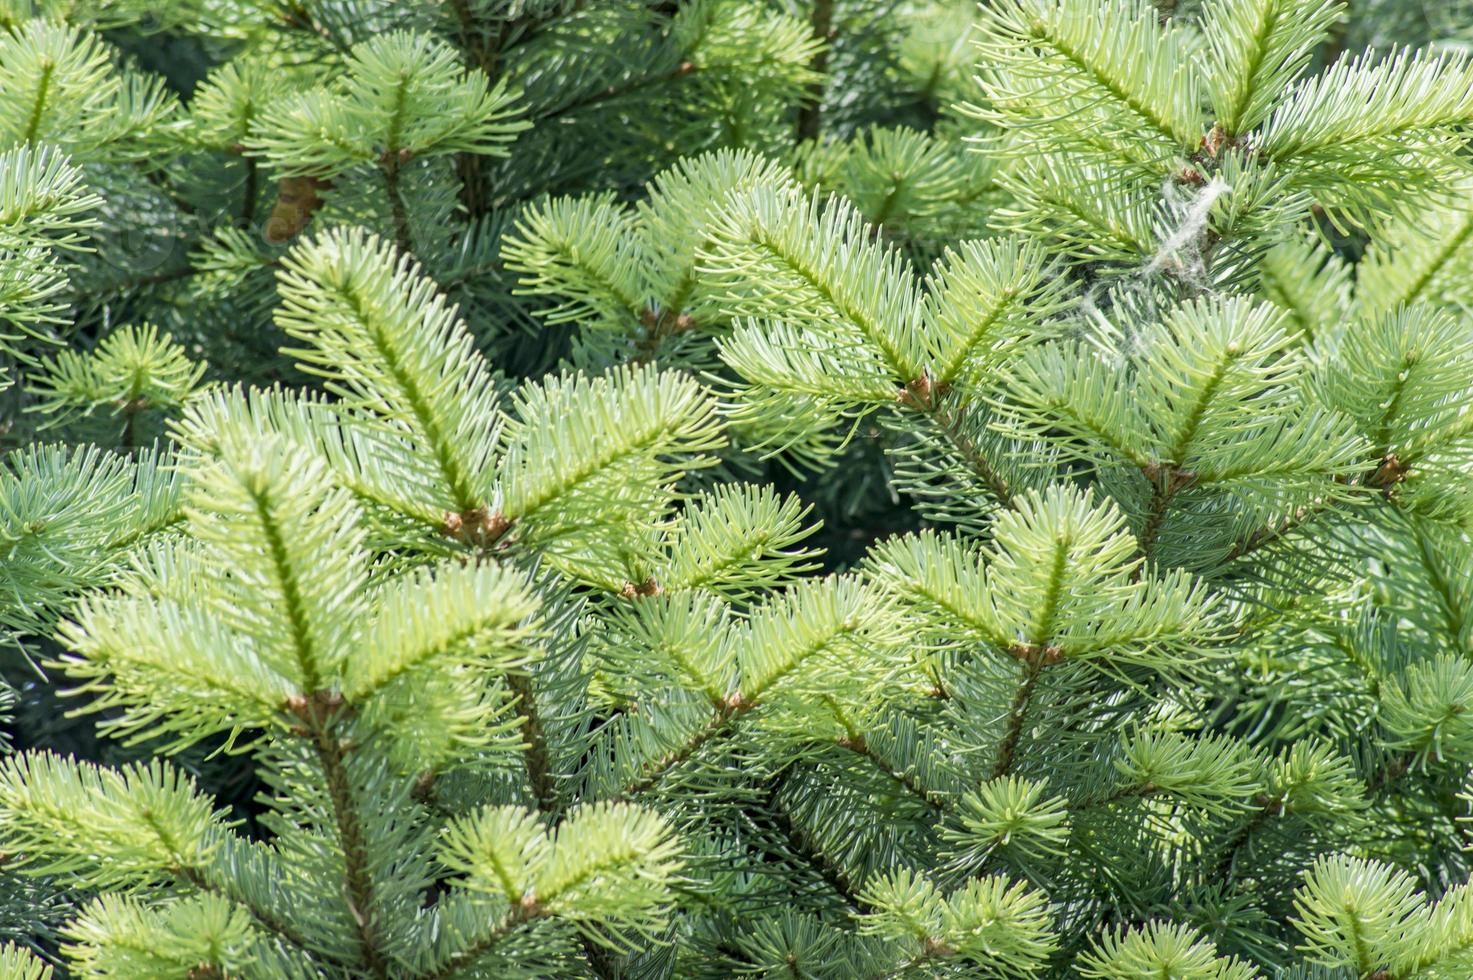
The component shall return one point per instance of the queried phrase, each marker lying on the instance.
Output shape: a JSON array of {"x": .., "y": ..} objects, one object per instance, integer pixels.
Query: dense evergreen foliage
[{"x": 736, "y": 488}]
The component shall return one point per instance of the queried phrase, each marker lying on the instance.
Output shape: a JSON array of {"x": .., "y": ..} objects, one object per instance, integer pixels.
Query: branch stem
[
  {"x": 248, "y": 202},
  {"x": 358, "y": 883},
  {"x": 536, "y": 755},
  {"x": 397, "y": 208},
  {"x": 809, "y": 117}
]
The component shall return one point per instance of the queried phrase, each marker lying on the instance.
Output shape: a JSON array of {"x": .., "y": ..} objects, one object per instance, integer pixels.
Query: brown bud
[
  {"x": 1179, "y": 479},
  {"x": 495, "y": 525},
  {"x": 476, "y": 527},
  {"x": 917, "y": 393},
  {"x": 936, "y": 948},
  {"x": 1389, "y": 473},
  {"x": 424, "y": 785},
  {"x": 296, "y": 201},
  {"x": 1036, "y": 656}
]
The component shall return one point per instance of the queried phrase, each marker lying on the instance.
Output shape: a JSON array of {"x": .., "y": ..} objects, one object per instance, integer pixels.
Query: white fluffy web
[{"x": 1182, "y": 252}]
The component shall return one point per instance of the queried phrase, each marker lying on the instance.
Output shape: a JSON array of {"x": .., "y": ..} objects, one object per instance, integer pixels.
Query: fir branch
[
  {"x": 358, "y": 881},
  {"x": 1200, "y": 401},
  {"x": 84, "y": 296},
  {"x": 294, "y": 14},
  {"x": 653, "y": 772},
  {"x": 1270, "y": 533},
  {"x": 389, "y": 341},
  {"x": 1410, "y": 258},
  {"x": 1444, "y": 254},
  {"x": 1155, "y": 517},
  {"x": 1112, "y": 63},
  {"x": 43, "y": 88},
  {"x": 776, "y": 644},
  {"x": 1455, "y": 616},
  {"x": 324, "y": 739},
  {"x": 197, "y": 878},
  {"x": 1035, "y": 656},
  {"x": 802, "y": 847},
  {"x": 525, "y": 912},
  {"x": 1166, "y": 483},
  {"x": 609, "y": 863},
  {"x": 300, "y": 634},
  {"x": 855, "y": 742},
  {"x": 613, "y": 93},
  {"x": 1017, "y": 712},
  {"x": 800, "y": 266},
  {"x": 1232, "y": 849},
  {"x": 1103, "y": 77},
  {"x": 1358, "y": 104},
  {"x": 1257, "y": 48},
  {"x": 976, "y": 461}
]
